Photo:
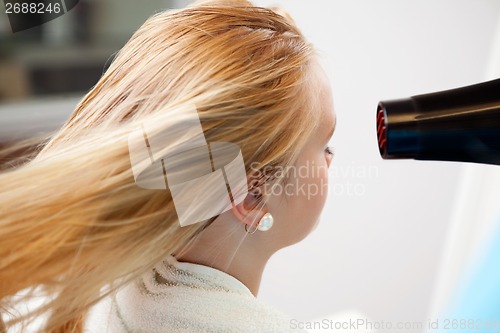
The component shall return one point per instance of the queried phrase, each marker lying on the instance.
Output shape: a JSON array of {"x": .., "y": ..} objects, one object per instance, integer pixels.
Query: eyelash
[{"x": 329, "y": 150}]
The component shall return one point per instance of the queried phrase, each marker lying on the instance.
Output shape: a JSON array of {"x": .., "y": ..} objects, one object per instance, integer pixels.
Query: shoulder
[{"x": 180, "y": 297}]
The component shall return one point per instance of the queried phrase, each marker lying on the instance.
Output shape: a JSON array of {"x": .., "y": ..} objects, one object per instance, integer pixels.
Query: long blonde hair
[{"x": 72, "y": 219}]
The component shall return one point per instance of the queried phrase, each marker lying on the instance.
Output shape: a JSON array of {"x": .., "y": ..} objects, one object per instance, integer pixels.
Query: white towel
[{"x": 189, "y": 298}]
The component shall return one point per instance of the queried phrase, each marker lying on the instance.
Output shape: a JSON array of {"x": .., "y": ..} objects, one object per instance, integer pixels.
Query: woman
[{"x": 76, "y": 224}]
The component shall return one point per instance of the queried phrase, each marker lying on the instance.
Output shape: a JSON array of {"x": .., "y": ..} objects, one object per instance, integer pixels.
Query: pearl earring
[{"x": 265, "y": 223}]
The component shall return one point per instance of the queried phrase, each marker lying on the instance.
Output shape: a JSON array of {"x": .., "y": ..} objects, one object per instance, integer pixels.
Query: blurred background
[
  {"x": 69, "y": 54},
  {"x": 399, "y": 241}
]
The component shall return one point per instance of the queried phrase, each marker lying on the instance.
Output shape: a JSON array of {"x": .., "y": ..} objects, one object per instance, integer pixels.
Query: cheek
[
  {"x": 317, "y": 185},
  {"x": 306, "y": 193}
]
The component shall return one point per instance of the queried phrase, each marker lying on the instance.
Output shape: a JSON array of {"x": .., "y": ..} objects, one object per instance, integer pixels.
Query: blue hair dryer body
[{"x": 461, "y": 124}]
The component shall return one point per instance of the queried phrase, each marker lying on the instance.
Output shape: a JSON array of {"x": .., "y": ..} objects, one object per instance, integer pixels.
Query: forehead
[{"x": 325, "y": 98}]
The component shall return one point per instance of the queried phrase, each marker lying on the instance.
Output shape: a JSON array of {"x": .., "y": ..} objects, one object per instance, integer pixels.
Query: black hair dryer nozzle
[{"x": 461, "y": 124}]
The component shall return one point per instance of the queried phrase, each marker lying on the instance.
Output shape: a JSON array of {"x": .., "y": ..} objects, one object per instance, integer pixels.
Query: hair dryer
[{"x": 461, "y": 124}]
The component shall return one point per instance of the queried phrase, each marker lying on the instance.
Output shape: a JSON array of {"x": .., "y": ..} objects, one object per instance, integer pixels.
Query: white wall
[{"x": 378, "y": 253}]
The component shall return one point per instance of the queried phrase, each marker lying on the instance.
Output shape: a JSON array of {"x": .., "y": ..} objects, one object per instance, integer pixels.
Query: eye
[{"x": 329, "y": 150}]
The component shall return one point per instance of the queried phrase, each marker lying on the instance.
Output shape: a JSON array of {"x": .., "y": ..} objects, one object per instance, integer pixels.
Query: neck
[{"x": 226, "y": 246}]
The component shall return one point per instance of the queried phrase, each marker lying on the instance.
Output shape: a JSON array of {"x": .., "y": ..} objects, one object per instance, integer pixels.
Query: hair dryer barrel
[{"x": 461, "y": 124}]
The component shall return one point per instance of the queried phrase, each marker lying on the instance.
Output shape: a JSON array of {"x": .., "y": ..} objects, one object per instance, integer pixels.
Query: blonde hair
[{"x": 73, "y": 221}]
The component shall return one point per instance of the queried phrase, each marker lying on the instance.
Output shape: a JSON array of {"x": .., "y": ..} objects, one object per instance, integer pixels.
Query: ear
[{"x": 245, "y": 210}]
